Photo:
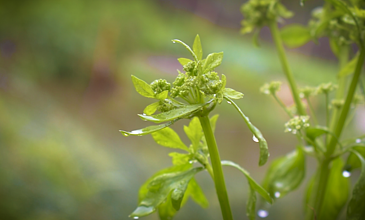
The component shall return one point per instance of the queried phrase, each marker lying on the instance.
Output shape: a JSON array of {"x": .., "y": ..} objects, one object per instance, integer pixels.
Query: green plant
[
  {"x": 343, "y": 23},
  {"x": 193, "y": 95}
]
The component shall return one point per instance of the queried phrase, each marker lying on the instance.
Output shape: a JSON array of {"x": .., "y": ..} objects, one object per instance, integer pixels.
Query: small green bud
[
  {"x": 326, "y": 88},
  {"x": 307, "y": 91},
  {"x": 296, "y": 124},
  {"x": 190, "y": 68},
  {"x": 271, "y": 88},
  {"x": 160, "y": 85},
  {"x": 337, "y": 103}
]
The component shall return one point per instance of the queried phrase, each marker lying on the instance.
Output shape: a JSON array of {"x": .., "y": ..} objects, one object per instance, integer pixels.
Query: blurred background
[{"x": 65, "y": 91}]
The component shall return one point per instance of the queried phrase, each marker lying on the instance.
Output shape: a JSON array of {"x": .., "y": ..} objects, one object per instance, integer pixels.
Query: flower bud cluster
[
  {"x": 271, "y": 88},
  {"x": 210, "y": 83},
  {"x": 160, "y": 85},
  {"x": 296, "y": 124},
  {"x": 307, "y": 91},
  {"x": 166, "y": 105},
  {"x": 326, "y": 88},
  {"x": 337, "y": 103}
]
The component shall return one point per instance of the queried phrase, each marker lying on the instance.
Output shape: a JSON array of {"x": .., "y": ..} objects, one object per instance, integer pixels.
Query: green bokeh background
[{"x": 65, "y": 91}]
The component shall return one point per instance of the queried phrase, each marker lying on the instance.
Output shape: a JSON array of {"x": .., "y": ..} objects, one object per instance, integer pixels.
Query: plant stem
[
  {"x": 220, "y": 185},
  {"x": 346, "y": 107},
  {"x": 284, "y": 63},
  {"x": 283, "y": 106},
  {"x": 311, "y": 109}
]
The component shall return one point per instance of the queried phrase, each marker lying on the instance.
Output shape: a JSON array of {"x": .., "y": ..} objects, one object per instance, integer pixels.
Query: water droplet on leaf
[
  {"x": 346, "y": 174},
  {"x": 277, "y": 194},
  {"x": 135, "y": 217},
  {"x": 254, "y": 138},
  {"x": 262, "y": 213},
  {"x": 229, "y": 102}
]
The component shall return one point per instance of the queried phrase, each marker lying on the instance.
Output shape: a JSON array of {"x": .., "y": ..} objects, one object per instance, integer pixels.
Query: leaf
[
  {"x": 250, "y": 180},
  {"x": 232, "y": 94},
  {"x": 337, "y": 192},
  {"x": 142, "y": 87},
  {"x": 213, "y": 121},
  {"x": 159, "y": 188},
  {"x": 285, "y": 174},
  {"x": 178, "y": 193},
  {"x": 197, "y": 47},
  {"x": 166, "y": 211},
  {"x": 173, "y": 114},
  {"x": 295, "y": 35},
  {"x": 355, "y": 208},
  {"x": 251, "y": 204},
  {"x": 264, "y": 150},
  {"x": 213, "y": 60},
  {"x": 224, "y": 81},
  {"x": 353, "y": 162},
  {"x": 146, "y": 130},
  {"x": 194, "y": 132},
  {"x": 184, "y": 61},
  {"x": 196, "y": 193},
  {"x": 335, "y": 47},
  {"x": 169, "y": 138},
  {"x": 187, "y": 47},
  {"x": 152, "y": 108},
  {"x": 314, "y": 132},
  {"x": 349, "y": 68},
  {"x": 179, "y": 159},
  {"x": 162, "y": 95}
]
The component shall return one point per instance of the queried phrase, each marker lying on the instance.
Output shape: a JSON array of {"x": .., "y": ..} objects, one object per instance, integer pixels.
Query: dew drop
[
  {"x": 229, "y": 102},
  {"x": 125, "y": 134},
  {"x": 173, "y": 42},
  {"x": 254, "y": 138},
  {"x": 135, "y": 217},
  {"x": 277, "y": 194},
  {"x": 262, "y": 213},
  {"x": 346, "y": 174},
  {"x": 144, "y": 114},
  {"x": 358, "y": 140}
]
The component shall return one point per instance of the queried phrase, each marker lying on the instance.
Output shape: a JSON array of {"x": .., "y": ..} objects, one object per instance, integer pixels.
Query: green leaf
[
  {"x": 337, "y": 192},
  {"x": 173, "y": 114},
  {"x": 150, "y": 109},
  {"x": 194, "y": 132},
  {"x": 184, "y": 61},
  {"x": 169, "y": 138},
  {"x": 251, "y": 204},
  {"x": 213, "y": 60},
  {"x": 349, "y": 68},
  {"x": 179, "y": 159},
  {"x": 162, "y": 95},
  {"x": 232, "y": 94},
  {"x": 178, "y": 193},
  {"x": 285, "y": 174},
  {"x": 224, "y": 81},
  {"x": 142, "y": 87},
  {"x": 197, "y": 47},
  {"x": 355, "y": 208},
  {"x": 264, "y": 150},
  {"x": 295, "y": 35},
  {"x": 187, "y": 47},
  {"x": 353, "y": 162},
  {"x": 159, "y": 188},
  {"x": 166, "y": 211},
  {"x": 213, "y": 121},
  {"x": 314, "y": 132},
  {"x": 335, "y": 47},
  {"x": 196, "y": 193},
  {"x": 250, "y": 180},
  {"x": 146, "y": 130}
]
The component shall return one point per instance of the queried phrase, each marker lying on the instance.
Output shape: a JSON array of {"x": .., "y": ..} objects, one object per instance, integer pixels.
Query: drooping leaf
[
  {"x": 231, "y": 93},
  {"x": 173, "y": 114},
  {"x": 349, "y": 68},
  {"x": 264, "y": 150},
  {"x": 179, "y": 159},
  {"x": 295, "y": 35},
  {"x": 196, "y": 193},
  {"x": 142, "y": 87},
  {"x": 169, "y": 138},
  {"x": 187, "y": 47},
  {"x": 251, "y": 204},
  {"x": 150, "y": 109},
  {"x": 197, "y": 47},
  {"x": 213, "y": 60},
  {"x": 337, "y": 192},
  {"x": 285, "y": 173},
  {"x": 146, "y": 130},
  {"x": 162, "y": 95},
  {"x": 159, "y": 188},
  {"x": 178, "y": 193},
  {"x": 194, "y": 132},
  {"x": 250, "y": 180},
  {"x": 353, "y": 162},
  {"x": 165, "y": 210},
  {"x": 184, "y": 61},
  {"x": 355, "y": 208}
]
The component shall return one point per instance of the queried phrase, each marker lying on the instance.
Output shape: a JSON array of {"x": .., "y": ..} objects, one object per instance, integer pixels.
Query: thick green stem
[
  {"x": 346, "y": 107},
  {"x": 284, "y": 63},
  {"x": 220, "y": 185}
]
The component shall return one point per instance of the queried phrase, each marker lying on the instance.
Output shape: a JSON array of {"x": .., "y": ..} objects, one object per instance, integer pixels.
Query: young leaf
[
  {"x": 194, "y": 132},
  {"x": 179, "y": 159},
  {"x": 173, "y": 114},
  {"x": 349, "y": 68},
  {"x": 162, "y": 95},
  {"x": 285, "y": 174},
  {"x": 335, "y": 47},
  {"x": 169, "y": 138},
  {"x": 196, "y": 193},
  {"x": 353, "y": 162},
  {"x": 150, "y": 109},
  {"x": 197, "y": 47},
  {"x": 159, "y": 188},
  {"x": 146, "y": 130},
  {"x": 166, "y": 211},
  {"x": 178, "y": 193},
  {"x": 184, "y": 61},
  {"x": 213, "y": 60},
  {"x": 337, "y": 192},
  {"x": 232, "y": 94},
  {"x": 213, "y": 121},
  {"x": 355, "y": 208},
  {"x": 264, "y": 150},
  {"x": 187, "y": 47},
  {"x": 295, "y": 35},
  {"x": 142, "y": 87},
  {"x": 251, "y": 181}
]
